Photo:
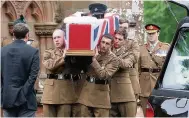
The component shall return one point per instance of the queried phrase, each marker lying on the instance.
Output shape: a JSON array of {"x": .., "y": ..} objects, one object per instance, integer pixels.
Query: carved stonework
[
  {"x": 42, "y": 29},
  {"x": 19, "y": 6},
  {"x": 35, "y": 11},
  {"x": 9, "y": 10},
  {"x": 10, "y": 28},
  {"x": 2, "y": 2},
  {"x": 58, "y": 13}
]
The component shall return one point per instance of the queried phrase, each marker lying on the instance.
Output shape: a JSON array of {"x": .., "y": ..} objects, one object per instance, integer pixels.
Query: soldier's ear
[
  {"x": 112, "y": 42},
  {"x": 27, "y": 37}
]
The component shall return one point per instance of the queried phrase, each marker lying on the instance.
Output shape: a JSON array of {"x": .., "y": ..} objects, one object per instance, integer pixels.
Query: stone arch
[
  {"x": 9, "y": 10},
  {"x": 8, "y": 15},
  {"x": 33, "y": 14},
  {"x": 36, "y": 11}
]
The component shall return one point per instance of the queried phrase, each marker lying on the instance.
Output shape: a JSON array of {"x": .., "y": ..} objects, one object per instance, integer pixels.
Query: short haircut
[
  {"x": 122, "y": 32},
  {"x": 121, "y": 21},
  {"x": 109, "y": 36},
  {"x": 20, "y": 30},
  {"x": 63, "y": 31}
]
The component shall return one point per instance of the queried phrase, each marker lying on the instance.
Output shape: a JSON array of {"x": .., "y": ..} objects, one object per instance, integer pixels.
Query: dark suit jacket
[{"x": 19, "y": 70}]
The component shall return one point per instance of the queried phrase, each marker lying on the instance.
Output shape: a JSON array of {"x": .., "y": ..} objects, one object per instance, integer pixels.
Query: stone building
[{"x": 44, "y": 16}]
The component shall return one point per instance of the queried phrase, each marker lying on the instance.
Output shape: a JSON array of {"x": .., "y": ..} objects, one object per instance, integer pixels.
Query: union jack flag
[{"x": 85, "y": 36}]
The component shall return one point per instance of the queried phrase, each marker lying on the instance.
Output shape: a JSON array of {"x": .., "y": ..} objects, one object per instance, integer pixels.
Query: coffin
[{"x": 84, "y": 32}]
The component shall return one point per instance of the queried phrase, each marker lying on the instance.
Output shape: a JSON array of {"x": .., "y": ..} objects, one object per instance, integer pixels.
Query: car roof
[
  {"x": 182, "y": 3},
  {"x": 185, "y": 25}
]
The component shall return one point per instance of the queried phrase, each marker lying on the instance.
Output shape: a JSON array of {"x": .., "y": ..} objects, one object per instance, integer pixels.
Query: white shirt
[{"x": 152, "y": 46}]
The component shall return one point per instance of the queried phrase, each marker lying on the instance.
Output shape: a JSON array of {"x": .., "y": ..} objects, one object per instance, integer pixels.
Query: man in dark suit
[{"x": 19, "y": 70}]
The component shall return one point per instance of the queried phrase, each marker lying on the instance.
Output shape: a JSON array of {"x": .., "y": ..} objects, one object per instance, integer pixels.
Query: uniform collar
[
  {"x": 153, "y": 45},
  {"x": 157, "y": 47},
  {"x": 119, "y": 51},
  {"x": 58, "y": 52},
  {"x": 103, "y": 57}
]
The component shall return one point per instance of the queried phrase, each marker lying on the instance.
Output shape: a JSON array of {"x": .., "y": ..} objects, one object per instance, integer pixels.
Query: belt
[
  {"x": 73, "y": 77},
  {"x": 96, "y": 81},
  {"x": 150, "y": 70}
]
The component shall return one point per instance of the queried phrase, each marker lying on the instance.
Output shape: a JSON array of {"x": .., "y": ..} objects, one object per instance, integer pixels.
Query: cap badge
[{"x": 151, "y": 27}]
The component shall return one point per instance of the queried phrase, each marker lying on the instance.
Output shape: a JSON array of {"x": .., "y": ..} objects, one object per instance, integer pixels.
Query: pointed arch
[
  {"x": 10, "y": 11},
  {"x": 36, "y": 11}
]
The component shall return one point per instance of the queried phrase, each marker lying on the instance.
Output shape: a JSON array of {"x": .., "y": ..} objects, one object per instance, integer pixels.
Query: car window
[{"x": 177, "y": 73}]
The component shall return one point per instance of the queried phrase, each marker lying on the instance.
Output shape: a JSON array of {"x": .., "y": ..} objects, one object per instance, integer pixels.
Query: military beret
[
  {"x": 152, "y": 28},
  {"x": 97, "y": 8},
  {"x": 19, "y": 20}
]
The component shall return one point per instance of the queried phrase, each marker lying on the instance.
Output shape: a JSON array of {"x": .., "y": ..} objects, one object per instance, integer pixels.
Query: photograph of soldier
[
  {"x": 134, "y": 46},
  {"x": 152, "y": 57},
  {"x": 121, "y": 91},
  {"x": 94, "y": 98},
  {"x": 59, "y": 93}
]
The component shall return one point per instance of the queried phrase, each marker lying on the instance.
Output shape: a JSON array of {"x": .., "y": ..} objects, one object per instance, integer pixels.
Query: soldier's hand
[
  {"x": 64, "y": 52},
  {"x": 96, "y": 51}
]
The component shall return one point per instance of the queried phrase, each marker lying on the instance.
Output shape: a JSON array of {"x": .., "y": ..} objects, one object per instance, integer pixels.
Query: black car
[{"x": 170, "y": 97}]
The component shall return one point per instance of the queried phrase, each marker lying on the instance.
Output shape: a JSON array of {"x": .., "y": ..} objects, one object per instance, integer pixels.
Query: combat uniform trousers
[
  {"x": 147, "y": 81},
  {"x": 123, "y": 109},
  {"x": 78, "y": 85},
  {"x": 56, "y": 110},
  {"x": 86, "y": 111},
  {"x": 123, "y": 100},
  {"x": 135, "y": 82},
  {"x": 91, "y": 105}
]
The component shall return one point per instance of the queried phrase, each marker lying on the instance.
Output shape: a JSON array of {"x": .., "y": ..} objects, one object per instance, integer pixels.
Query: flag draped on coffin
[
  {"x": 84, "y": 32},
  {"x": 113, "y": 22}
]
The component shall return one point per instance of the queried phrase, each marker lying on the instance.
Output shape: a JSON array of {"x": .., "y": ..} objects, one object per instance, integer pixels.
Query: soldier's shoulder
[
  {"x": 142, "y": 45},
  {"x": 6, "y": 42},
  {"x": 136, "y": 41},
  {"x": 132, "y": 42},
  {"x": 47, "y": 53},
  {"x": 35, "y": 44},
  {"x": 164, "y": 45}
]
